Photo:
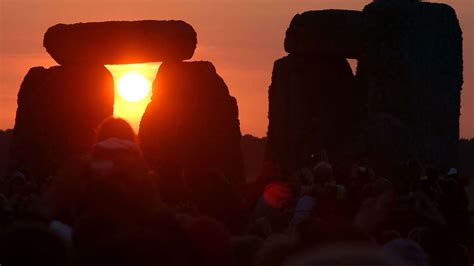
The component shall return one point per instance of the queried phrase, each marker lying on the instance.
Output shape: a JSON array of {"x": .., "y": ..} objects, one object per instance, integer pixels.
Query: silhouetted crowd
[{"x": 110, "y": 208}]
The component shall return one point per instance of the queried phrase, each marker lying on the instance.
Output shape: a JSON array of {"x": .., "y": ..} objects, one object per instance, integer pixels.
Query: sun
[{"x": 133, "y": 87}]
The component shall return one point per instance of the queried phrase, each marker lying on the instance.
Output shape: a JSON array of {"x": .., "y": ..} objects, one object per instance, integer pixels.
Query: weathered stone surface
[
  {"x": 412, "y": 67},
  {"x": 315, "y": 105},
  {"x": 192, "y": 121},
  {"x": 58, "y": 110},
  {"x": 120, "y": 42},
  {"x": 326, "y": 32}
]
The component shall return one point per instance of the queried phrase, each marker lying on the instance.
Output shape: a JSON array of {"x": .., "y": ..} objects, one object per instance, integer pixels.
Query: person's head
[
  {"x": 305, "y": 177},
  {"x": 114, "y": 128},
  {"x": 452, "y": 172},
  {"x": 323, "y": 172},
  {"x": 115, "y": 140},
  {"x": 427, "y": 181},
  {"x": 381, "y": 186},
  {"x": 405, "y": 175},
  {"x": 407, "y": 251},
  {"x": 18, "y": 183}
]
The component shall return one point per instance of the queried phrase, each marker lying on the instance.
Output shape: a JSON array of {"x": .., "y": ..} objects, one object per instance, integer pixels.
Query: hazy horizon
[{"x": 241, "y": 38}]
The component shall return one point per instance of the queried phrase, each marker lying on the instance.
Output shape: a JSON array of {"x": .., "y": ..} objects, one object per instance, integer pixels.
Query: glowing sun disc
[{"x": 133, "y": 87}]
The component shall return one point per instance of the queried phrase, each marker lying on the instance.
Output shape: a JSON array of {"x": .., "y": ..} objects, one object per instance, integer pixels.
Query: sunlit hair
[{"x": 114, "y": 128}]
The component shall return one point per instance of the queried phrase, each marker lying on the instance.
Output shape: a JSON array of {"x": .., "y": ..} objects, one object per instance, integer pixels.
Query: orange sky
[{"x": 241, "y": 37}]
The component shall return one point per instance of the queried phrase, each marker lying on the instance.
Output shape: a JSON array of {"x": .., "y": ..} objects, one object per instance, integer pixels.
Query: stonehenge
[
  {"x": 403, "y": 102},
  {"x": 192, "y": 120},
  {"x": 406, "y": 89}
]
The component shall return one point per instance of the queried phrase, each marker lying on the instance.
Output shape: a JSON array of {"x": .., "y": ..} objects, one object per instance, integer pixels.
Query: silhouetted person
[
  {"x": 273, "y": 203},
  {"x": 118, "y": 216},
  {"x": 408, "y": 251},
  {"x": 110, "y": 191},
  {"x": 453, "y": 204}
]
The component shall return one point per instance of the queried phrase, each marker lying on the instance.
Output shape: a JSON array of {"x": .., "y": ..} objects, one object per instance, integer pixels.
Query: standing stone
[
  {"x": 120, "y": 42},
  {"x": 314, "y": 105},
  {"x": 412, "y": 67},
  {"x": 58, "y": 110},
  {"x": 192, "y": 121}
]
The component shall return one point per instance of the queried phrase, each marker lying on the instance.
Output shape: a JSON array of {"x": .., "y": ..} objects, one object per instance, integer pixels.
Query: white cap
[{"x": 452, "y": 171}]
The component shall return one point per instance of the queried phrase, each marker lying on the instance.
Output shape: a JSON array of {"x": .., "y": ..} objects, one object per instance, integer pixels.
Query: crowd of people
[{"x": 111, "y": 208}]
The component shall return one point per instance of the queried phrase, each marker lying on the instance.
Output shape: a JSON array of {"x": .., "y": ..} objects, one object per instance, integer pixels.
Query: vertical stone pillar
[
  {"x": 192, "y": 122},
  {"x": 58, "y": 110},
  {"x": 314, "y": 105}
]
